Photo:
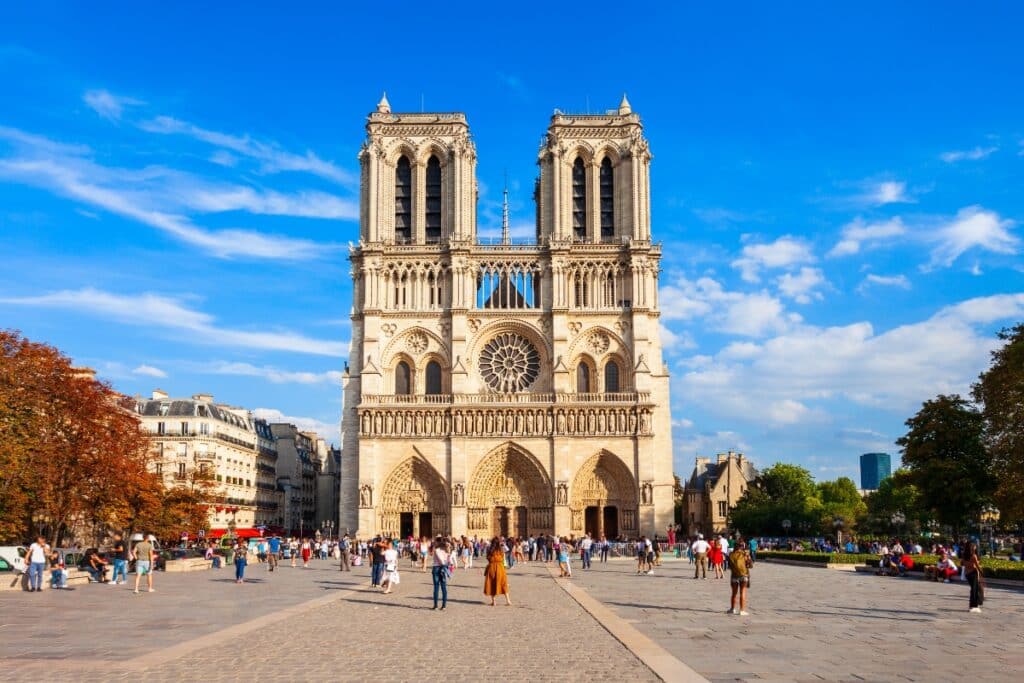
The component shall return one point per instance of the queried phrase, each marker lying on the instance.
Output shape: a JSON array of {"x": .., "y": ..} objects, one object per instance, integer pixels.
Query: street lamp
[
  {"x": 328, "y": 526},
  {"x": 989, "y": 517},
  {"x": 837, "y": 522}
]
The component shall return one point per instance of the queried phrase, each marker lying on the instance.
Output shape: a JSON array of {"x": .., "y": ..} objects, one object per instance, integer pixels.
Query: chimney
[
  {"x": 203, "y": 397},
  {"x": 159, "y": 394},
  {"x": 722, "y": 457}
]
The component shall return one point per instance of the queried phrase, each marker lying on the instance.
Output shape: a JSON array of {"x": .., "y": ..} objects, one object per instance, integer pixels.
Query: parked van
[{"x": 14, "y": 555}]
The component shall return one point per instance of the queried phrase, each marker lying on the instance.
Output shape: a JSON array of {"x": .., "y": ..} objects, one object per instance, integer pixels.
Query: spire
[
  {"x": 624, "y": 107},
  {"x": 504, "y": 213},
  {"x": 384, "y": 107}
]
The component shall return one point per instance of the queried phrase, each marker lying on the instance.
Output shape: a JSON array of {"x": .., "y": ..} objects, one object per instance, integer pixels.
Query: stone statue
[
  {"x": 562, "y": 494},
  {"x": 365, "y": 496},
  {"x": 458, "y": 495},
  {"x": 646, "y": 494}
]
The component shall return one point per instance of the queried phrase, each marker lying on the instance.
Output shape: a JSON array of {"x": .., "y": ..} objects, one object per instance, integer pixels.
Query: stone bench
[
  {"x": 188, "y": 564},
  {"x": 19, "y": 582}
]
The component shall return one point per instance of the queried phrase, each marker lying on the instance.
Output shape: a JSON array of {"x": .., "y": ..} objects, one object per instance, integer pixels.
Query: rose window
[{"x": 509, "y": 363}]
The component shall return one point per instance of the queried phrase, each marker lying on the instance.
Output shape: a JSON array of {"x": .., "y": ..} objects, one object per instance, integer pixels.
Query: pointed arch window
[
  {"x": 433, "y": 377},
  {"x": 433, "y": 216},
  {"x": 611, "y": 377},
  {"x": 579, "y": 200},
  {"x": 403, "y": 200},
  {"x": 582, "y": 378},
  {"x": 607, "y": 186},
  {"x": 403, "y": 379}
]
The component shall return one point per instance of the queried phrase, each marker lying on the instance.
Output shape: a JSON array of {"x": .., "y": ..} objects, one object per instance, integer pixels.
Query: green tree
[
  {"x": 896, "y": 493},
  {"x": 1000, "y": 392},
  {"x": 944, "y": 452},
  {"x": 780, "y": 492},
  {"x": 840, "y": 499}
]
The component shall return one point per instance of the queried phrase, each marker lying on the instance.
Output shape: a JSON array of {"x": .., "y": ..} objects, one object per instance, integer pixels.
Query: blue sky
[{"x": 838, "y": 193}]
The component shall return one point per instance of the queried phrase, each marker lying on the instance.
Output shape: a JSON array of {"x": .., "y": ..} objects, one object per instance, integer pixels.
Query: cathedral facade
[{"x": 505, "y": 388}]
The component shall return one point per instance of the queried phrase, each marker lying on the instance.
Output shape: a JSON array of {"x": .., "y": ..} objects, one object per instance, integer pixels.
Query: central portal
[{"x": 509, "y": 494}]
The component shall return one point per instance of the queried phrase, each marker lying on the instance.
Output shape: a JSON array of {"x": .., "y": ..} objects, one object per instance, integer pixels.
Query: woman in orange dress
[{"x": 495, "y": 579}]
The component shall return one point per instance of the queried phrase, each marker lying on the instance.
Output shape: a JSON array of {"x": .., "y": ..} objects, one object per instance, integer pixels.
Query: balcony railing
[{"x": 538, "y": 397}]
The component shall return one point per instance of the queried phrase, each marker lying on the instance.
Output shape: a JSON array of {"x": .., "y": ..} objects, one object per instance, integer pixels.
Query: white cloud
[
  {"x": 272, "y": 158},
  {"x": 749, "y": 314},
  {"x": 330, "y": 431},
  {"x": 899, "y": 281},
  {"x": 107, "y": 104},
  {"x": 968, "y": 154},
  {"x": 157, "y": 197},
  {"x": 860, "y": 233},
  {"x": 973, "y": 227},
  {"x": 792, "y": 377},
  {"x": 802, "y": 286},
  {"x": 149, "y": 371},
  {"x": 675, "y": 342},
  {"x": 275, "y": 375},
  {"x": 706, "y": 443},
  {"x": 887, "y": 192},
  {"x": 784, "y": 252},
  {"x": 154, "y": 310}
]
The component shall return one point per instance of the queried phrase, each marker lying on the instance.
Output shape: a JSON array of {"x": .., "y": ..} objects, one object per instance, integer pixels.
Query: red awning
[{"x": 239, "y": 533}]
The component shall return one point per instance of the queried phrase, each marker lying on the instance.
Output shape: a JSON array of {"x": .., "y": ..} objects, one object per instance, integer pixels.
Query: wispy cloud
[
  {"x": 802, "y": 286},
  {"x": 272, "y": 374},
  {"x": 899, "y": 281},
  {"x": 974, "y": 154},
  {"x": 330, "y": 431},
  {"x": 155, "y": 310},
  {"x": 974, "y": 227},
  {"x": 149, "y": 371},
  {"x": 159, "y": 197},
  {"x": 888, "y": 192},
  {"x": 107, "y": 104},
  {"x": 272, "y": 157},
  {"x": 859, "y": 233}
]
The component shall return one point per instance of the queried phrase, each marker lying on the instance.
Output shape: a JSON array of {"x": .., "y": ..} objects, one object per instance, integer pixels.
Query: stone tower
[{"x": 508, "y": 388}]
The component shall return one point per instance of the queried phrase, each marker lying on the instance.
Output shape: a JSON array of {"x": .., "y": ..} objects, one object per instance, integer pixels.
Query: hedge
[{"x": 992, "y": 568}]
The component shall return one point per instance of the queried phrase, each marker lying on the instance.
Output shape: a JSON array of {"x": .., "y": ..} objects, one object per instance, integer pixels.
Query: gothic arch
[
  {"x": 582, "y": 344},
  {"x": 406, "y": 342},
  {"x": 397, "y": 148},
  {"x": 512, "y": 479},
  {"x": 433, "y": 147},
  {"x": 413, "y": 486},
  {"x": 608, "y": 150},
  {"x": 530, "y": 333},
  {"x": 606, "y": 483},
  {"x": 582, "y": 150}
]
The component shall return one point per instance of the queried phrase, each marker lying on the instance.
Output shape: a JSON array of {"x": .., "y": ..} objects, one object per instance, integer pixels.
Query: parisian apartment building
[
  {"x": 267, "y": 477},
  {"x": 712, "y": 491}
]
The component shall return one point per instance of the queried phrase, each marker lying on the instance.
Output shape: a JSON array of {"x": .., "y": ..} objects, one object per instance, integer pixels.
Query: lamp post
[
  {"x": 328, "y": 526},
  {"x": 989, "y": 517},
  {"x": 837, "y": 522}
]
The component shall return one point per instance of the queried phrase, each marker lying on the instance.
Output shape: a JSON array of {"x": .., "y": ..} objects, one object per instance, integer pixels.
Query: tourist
[
  {"x": 307, "y": 552},
  {"x": 641, "y": 554},
  {"x": 119, "y": 553},
  {"x": 495, "y": 577},
  {"x": 144, "y": 556},
  {"x": 391, "y": 577},
  {"x": 293, "y": 551},
  {"x": 424, "y": 551},
  {"x": 752, "y": 545},
  {"x": 344, "y": 546},
  {"x": 441, "y": 556},
  {"x": 241, "y": 559},
  {"x": 717, "y": 558},
  {"x": 58, "y": 573},
  {"x": 467, "y": 554},
  {"x": 972, "y": 572},
  {"x": 273, "y": 552},
  {"x": 944, "y": 569},
  {"x": 585, "y": 545},
  {"x": 376, "y": 562},
  {"x": 700, "y": 549},
  {"x": 565, "y": 570},
  {"x": 740, "y": 563},
  {"x": 605, "y": 546},
  {"x": 96, "y": 565},
  {"x": 649, "y": 552},
  {"x": 36, "y": 555}
]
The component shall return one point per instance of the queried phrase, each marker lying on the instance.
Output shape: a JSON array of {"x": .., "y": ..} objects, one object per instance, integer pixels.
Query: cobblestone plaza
[{"x": 805, "y": 625}]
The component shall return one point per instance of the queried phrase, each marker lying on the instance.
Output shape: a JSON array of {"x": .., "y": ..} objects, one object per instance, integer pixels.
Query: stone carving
[
  {"x": 509, "y": 363},
  {"x": 599, "y": 342},
  {"x": 621, "y": 326},
  {"x": 577, "y": 519},
  {"x": 575, "y": 328},
  {"x": 562, "y": 494},
  {"x": 365, "y": 496},
  {"x": 647, "y": 494},
  {"x": 459, "y": 495},
  {"x": 473, "y": 324},
  {"x": 388, "y": 329},
  {"x": 417, "y": 342}
]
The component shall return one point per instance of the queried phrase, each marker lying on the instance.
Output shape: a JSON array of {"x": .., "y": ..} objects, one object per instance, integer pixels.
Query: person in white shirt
[
  {"x": 700, "y": 549},
  {"x": 585, "y": 545},
  {"x": 391, "y": 577},
  {"x": 36, "y": 556},
  {"x": 723, "y": 543}
]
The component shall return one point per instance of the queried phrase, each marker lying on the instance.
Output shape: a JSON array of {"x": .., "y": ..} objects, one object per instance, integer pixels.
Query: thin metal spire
[{"x": 504, "y": 213}]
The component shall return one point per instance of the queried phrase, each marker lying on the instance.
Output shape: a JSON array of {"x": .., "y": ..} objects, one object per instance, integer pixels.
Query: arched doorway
[
  {"x": 603, "y": 499},
  {"x": 509, "y": 495},
  {"x": 414, "y": 501}
]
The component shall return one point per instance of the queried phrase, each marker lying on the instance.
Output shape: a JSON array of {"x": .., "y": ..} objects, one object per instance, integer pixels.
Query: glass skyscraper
[{"x": 874, "y": 467}]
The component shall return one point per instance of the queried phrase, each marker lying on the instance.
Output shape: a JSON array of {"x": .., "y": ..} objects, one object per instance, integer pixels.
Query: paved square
[{"x": 812, "y": 624}]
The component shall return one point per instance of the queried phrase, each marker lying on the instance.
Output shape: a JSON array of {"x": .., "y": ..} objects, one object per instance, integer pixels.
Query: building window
[
  {"x": 579, "y": 200},
  {"x": 403, "y": 200},
  {"x": 582, "y": 378},
  {"x": 580, "y": 290},
  {"x": 184, "y": 428},
  {"x": 160, "y": 450},
  {"x": 159, "y": 468},
  {"x": 181, "y": 470},
  {"x": 403, "y": 379},
  {"x": 433, "y": 378},
  {"x": 161, "y": 428},
  {"x": 164, "y": 409},
  {"x": 182, "y": 450},
  {"x": 432, "y": 221},
  {"x": 204, "y": 428},
  {"x": 723, "y": 508},
  {"x": 611, "y": 377},
  {"x": 607, "y": 199}
]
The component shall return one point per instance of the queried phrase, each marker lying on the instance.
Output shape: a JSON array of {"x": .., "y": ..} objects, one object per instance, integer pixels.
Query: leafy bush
[{"x": 992, "y": 568}]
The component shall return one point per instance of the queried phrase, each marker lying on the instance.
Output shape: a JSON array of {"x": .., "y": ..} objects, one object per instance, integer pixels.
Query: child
[{"x": 58, "y": 572}]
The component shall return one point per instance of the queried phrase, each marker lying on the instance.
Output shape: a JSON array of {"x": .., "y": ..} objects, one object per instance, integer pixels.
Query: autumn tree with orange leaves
[{"x": 73, "y": 456}]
